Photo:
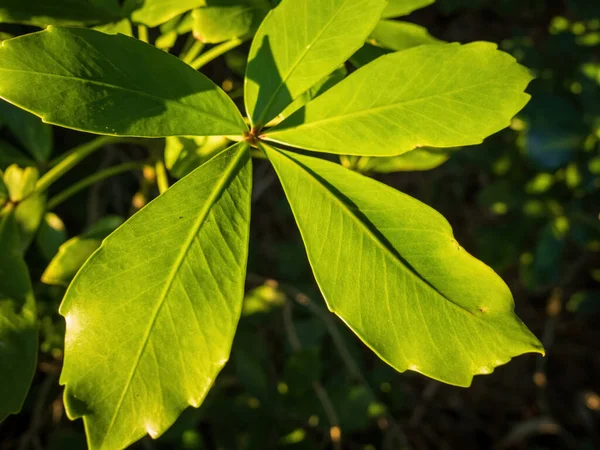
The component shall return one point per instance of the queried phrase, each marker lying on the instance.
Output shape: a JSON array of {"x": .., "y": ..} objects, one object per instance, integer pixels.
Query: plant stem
[
  {"x": 92, "y": 179},
  {"x": 162, "y": 179},
  {"x": 193, "y": 52},
  {"x": 215, "y": 52},
  {"x": 73, "y": 157},
  {"x": 143, "y": 33}
]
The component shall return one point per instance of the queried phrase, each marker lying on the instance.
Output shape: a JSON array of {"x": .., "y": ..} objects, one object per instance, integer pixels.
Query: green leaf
[
  {"x": 34, "y": 135},
  {"x": 445, "y": 95},
  {"x": 390, "y": 267},
  {"x": 298, "y": 44},
  {"x": 151, "y": 315},
  {"x": 122, "y": 26},
  {"x": 417, "y": 159},
  {"x": 29, "y": 214},
  {"x": 182, "y": 155},
  {"x": 172, "y": 29},
  {"x": 397, "y": 8},
  {"x": 18, "y": 329},
  {"x": 155, "y": 12},
  {"x": 396, "y": 35},
  {"x": 74, "y": 253},
  {"x": 59, "y": 12},
  {"x": 20, "y": 182},
  {"x": 321, "y": 87},
  {"x": 51, "y": 235},
  {"x": 91, "y": 81},
  {"x": 221, "y": 20}
]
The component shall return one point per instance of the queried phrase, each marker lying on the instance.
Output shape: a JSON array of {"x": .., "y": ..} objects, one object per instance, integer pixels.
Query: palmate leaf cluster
[{"x": 152, "y": 313}]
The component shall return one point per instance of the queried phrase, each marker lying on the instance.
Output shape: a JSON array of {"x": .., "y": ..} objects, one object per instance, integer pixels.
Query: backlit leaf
[
  {"x": 151, "y": 315},
  {"x": 390, "y": 267},
  {"x": 417, "y": 159},
  {"x": 298, "y": 44},
  {"x": 51, "y": 235},
  {"x": 221, "y": 20},
  {"x": 396, "y": 35},
  {"x": 397, "y": 8},
  {"x": 91, "y": 81},
  {"x": 155, "y": 12},
  {"x": 75, "y": 252},
  {"x": 445, "y": 95}
]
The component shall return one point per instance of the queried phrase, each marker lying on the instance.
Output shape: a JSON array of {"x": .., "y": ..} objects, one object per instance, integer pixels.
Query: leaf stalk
[
  {"x": 72, "y": 158},
  {"x": 216, "y": 51},
  {"x": 92, "y": 179}
]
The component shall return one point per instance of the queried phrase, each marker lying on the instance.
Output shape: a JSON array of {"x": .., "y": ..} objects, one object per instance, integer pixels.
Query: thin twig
[
  {"x": 143, "y": 33},
  {"x": 334, "y": 423},
  {"x": 338, "y": 341},
  {"x": 193, "y": 51},
  {"x": 92, "y": 179},
  {"x": 162, "y": 179},
  {"x": 31, "y": 437}
]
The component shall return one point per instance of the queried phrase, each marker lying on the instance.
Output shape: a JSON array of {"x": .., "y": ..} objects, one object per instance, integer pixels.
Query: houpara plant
[{"x": 152, "y": 313}]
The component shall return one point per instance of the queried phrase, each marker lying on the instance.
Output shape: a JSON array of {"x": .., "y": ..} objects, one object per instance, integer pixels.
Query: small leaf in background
[
  {"x": 397, "y": 36},
  {"x": 184, "y": 154},
  {"x": 43, "y": 72},
  {"x": 397, "y": 8},
  {"x": 152, "y": 314},
  {"x": 263, "y": 299},
  {"x": 20, "y": 182},
  {"x": 30, "y": 207},
  {"x": 122, "y": 26},
  {"x": 28, "y": 215},
  {"x": 384, "y": 109},
  {"x": 63, "y": 12},
  {"x": 222, "y": 20},
  {"x": 584, "y": 302},
  {"x": 414, "y": 160},
  {"x": 443, "y": 308},
  {"x": 74, "y": 253},
  {"x": 18, "y": 329},
  {"x": 299, "y": 43},
  {"x": 29, "y": 131},
  {"x": 153, "y": 13},
  {"x": 51, "y": 235}
]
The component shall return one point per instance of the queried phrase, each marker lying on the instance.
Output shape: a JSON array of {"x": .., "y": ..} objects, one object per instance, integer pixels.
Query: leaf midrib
[
  {"x": 373, "y": 237},
  {"x": 293, "y": 67},
  {"x": 369, "y": 111},
  {"x": 125, "y": 89},
  {"x": 219, "y": 188}
]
